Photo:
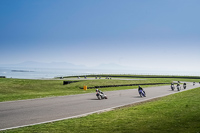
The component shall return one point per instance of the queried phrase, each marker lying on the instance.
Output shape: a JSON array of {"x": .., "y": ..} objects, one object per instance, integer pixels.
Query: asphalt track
[{"x": 22, "y": 113}]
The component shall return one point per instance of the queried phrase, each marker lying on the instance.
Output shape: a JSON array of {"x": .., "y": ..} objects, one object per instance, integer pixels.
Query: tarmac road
[{"x": 21, "y": 113}]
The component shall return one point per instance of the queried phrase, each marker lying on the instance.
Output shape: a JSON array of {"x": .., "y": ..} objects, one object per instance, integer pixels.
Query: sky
[{"x": 152, "y": 34}]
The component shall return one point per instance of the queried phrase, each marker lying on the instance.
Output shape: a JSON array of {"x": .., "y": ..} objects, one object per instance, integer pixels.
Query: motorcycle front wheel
[{"x": 99, "y": 97}]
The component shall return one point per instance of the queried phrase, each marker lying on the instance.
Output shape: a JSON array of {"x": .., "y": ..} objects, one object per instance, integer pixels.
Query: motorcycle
[
  {"x": 172, "y": 87},
  {"x": 142, "y": 93},
  {"x": 179, "y": 88},
  {"x": 184, "y": 86},
  {"x": 101, "y": 95}
]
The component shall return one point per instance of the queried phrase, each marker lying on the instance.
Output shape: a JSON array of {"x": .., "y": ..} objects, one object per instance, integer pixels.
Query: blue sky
[{"x": 154, "y": 34}]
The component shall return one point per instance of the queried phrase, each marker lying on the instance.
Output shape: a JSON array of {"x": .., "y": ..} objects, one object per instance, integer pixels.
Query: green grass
[
  {"x": 177, "y": 113},
  {"x": 18, "y": 89},
  {"x": 139, "y": 76},
  {"x": 174, "y": 113}
]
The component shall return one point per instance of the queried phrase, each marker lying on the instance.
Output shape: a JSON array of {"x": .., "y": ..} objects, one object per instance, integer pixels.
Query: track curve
[{"x": 22, "y": 113}]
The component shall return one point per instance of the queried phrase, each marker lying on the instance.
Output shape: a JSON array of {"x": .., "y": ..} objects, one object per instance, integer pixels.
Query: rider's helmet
[{"x": 97, "y": 90}]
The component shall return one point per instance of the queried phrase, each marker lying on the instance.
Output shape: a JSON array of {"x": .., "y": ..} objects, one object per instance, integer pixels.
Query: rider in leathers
[
  {"x": 140, "y": 89},
  {"x": 100, "y": 92}
]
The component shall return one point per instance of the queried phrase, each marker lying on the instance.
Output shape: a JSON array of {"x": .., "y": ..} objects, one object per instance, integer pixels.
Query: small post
[{"x": 85, "y": 87}]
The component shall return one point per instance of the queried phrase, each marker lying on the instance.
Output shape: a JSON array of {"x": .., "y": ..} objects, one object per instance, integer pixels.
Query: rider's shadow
[
  {"x": 137, "y": 96},
  {"x": 94, "y": 99}
]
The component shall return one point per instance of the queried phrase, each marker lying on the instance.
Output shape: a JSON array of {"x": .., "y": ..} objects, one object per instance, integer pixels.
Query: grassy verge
[
  {"x": 177, "y": 113},
  {"x": 138, "y": 76},
  {"x": 18, "y": 89}
]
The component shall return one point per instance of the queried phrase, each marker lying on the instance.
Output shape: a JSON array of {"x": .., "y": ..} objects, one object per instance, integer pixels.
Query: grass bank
[
  {"x": 20, "y": 89},
  {"x": 177, "y": 113}
]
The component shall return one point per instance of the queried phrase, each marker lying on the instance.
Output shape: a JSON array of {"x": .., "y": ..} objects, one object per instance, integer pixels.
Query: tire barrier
[{"x": 68, "y": 82}]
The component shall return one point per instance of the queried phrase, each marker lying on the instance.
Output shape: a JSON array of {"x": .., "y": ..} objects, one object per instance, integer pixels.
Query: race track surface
[{"x": 21, "y": 113}]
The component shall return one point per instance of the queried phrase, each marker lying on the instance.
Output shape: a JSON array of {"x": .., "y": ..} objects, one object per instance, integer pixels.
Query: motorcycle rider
[
  {"x": 97, "y": 90},
  {"x": 140, "y": 89},
  {"x": 172, "y": 85},
  {"x": 101, "y": 93},
  {"x": 184, "y": 85},
  {"x": 178, "y": 86}
]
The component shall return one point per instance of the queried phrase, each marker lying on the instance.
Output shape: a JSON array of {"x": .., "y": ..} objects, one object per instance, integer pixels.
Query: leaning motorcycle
[
  {"x": 179, "y": 88},
  {"x": 184, "y": 86},
  {"x": 172, "y": 87},
  {"x": 142, "y": 93},
  {"x": 101, "y": 95}
]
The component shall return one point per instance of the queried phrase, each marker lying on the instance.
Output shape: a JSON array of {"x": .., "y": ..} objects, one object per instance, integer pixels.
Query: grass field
[
  {"x": 177, "y": 113},
  {"x": 18, "y": 89}
]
